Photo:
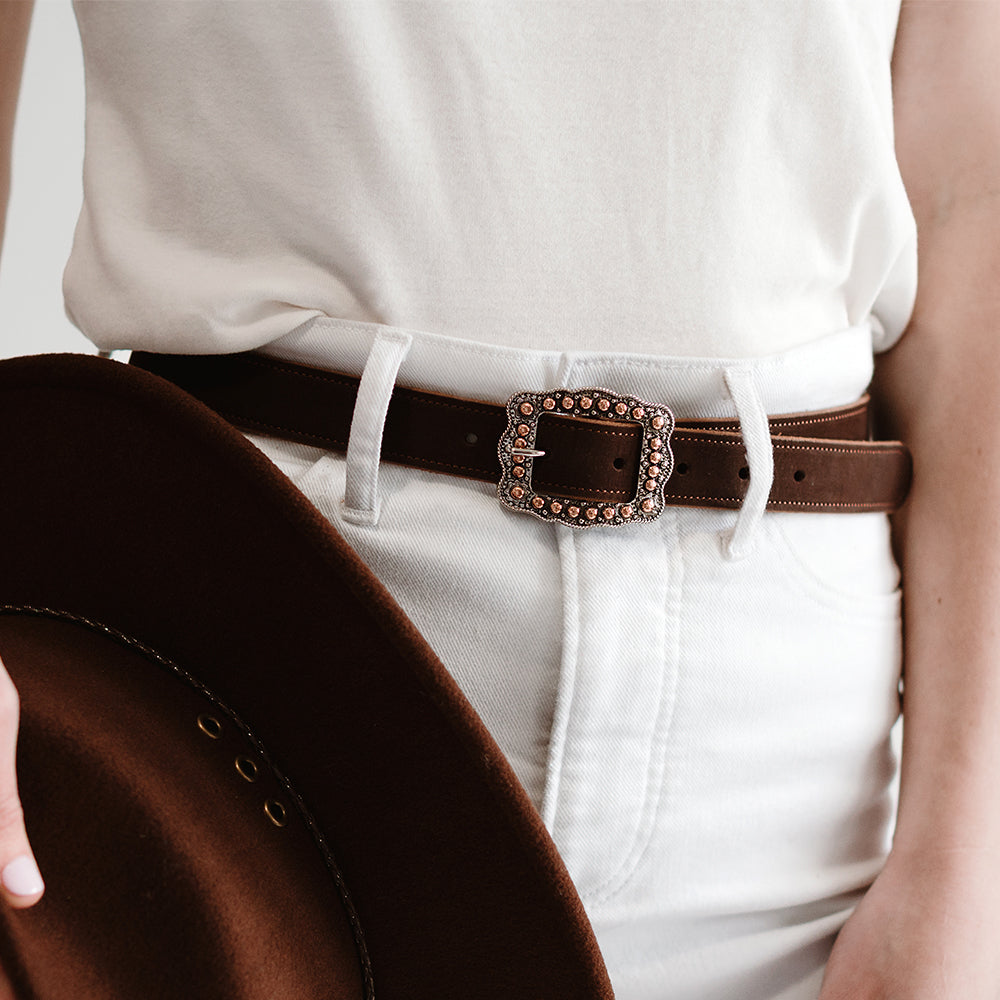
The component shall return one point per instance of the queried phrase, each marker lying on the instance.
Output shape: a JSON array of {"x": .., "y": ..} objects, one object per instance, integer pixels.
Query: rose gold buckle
[{"x": 518, "y": 454}]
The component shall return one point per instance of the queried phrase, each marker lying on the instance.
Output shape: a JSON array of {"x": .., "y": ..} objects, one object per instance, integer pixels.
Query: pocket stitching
[{"x": 798, "y": 572}]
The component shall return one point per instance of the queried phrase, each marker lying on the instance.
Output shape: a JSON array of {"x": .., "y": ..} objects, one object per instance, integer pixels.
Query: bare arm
[
  {"x": 928, "y": 928},
  {"x": 942, "y": 387},
  {"x": 20, "y": 882},
  {"x": 15, "y": 17}
]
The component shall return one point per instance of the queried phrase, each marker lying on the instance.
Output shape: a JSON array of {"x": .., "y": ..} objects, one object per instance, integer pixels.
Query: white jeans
[{"x": 703, "y": 720}]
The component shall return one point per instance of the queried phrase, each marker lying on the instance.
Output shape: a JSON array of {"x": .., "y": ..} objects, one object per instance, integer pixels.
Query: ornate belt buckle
[{"x": 518, "y": 454}]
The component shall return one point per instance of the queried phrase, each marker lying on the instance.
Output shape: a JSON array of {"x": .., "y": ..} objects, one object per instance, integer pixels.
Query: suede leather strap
[{"x": 823, "y": 460}]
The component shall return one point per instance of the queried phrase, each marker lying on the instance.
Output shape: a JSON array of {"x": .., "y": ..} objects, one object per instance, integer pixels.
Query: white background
[{"x": 46, "y": 189}]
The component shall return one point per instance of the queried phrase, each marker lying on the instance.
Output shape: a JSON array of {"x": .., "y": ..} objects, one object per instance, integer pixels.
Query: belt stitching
[
  {"x": 488, "y": 409},
  {"x": 239, "y": 420},
  {"x": 868, "y": 505},
  {"x": 778, "y": 422},
  {"x": 293, "y": 373},
  {"x": 390, "y": 455}
]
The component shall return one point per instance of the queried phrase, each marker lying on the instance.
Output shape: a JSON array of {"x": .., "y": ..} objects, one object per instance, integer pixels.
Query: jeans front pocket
[{"x": 843, "y": 561}]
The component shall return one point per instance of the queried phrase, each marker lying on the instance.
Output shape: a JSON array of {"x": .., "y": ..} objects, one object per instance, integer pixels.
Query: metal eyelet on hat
[
  {"x": 276, "y": 812},
  {"x": 246, "y": 767},
  {"x": 210, "y": 726}
]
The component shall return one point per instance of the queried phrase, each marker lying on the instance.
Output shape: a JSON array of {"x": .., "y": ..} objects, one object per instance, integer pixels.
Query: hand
[
  {"x": 20, "y": 882},
  {"x": 926, "y": 930}
]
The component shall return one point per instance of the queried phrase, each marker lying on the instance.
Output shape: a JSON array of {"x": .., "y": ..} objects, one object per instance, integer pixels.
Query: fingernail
[{"x": 21, "y": 877}]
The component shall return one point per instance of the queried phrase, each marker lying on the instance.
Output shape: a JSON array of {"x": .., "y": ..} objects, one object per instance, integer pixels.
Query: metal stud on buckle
[{"x": 518, "y": 454}]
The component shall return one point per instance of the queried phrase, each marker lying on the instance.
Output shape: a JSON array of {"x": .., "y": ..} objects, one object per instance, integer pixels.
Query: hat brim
[{"x": 144, "y": 522}]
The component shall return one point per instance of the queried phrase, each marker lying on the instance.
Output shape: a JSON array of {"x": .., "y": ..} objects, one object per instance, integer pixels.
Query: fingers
[{"x": 20, "y": 881}]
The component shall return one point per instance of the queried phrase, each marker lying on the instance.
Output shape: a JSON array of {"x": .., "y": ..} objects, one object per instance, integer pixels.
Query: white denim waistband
[{"x": 832, "y": 370}]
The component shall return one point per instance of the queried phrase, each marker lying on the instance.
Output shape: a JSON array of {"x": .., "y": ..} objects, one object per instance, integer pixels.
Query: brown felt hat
[{"x": 245, "y": 774}]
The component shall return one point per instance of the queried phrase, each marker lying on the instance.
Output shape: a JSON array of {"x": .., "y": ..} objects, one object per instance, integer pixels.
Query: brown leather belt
[{"x": 601, "y": 450}]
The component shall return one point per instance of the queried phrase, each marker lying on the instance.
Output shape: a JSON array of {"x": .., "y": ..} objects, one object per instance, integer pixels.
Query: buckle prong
[{"x": 517, "y": 453}]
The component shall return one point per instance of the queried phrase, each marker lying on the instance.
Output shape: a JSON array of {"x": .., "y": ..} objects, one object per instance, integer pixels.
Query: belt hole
[
  {"x": 682, "y": 468},
  {"x": 619, "y": 463},
  {"x": 471, "y": 438},
  {"x": 745, "y": 472},
  {"x": 799, "y": 475}
]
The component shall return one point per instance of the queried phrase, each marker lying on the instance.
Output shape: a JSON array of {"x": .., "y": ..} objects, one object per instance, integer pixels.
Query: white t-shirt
[{"x": 685, "y": 177}]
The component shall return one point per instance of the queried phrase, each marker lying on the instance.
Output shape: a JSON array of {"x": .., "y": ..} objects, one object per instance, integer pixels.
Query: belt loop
[
  {"x": 760, "y": 459},
  {"x": 567, "y": 362},
  {"x": 364, "y": 447}
]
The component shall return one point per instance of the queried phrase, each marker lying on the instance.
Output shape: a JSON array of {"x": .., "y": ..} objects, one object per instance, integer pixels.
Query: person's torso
[{"x": 695, "y": 178}]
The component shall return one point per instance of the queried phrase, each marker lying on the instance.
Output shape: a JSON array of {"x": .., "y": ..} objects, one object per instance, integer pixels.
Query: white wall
[{"x": 46, "y": 189}]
